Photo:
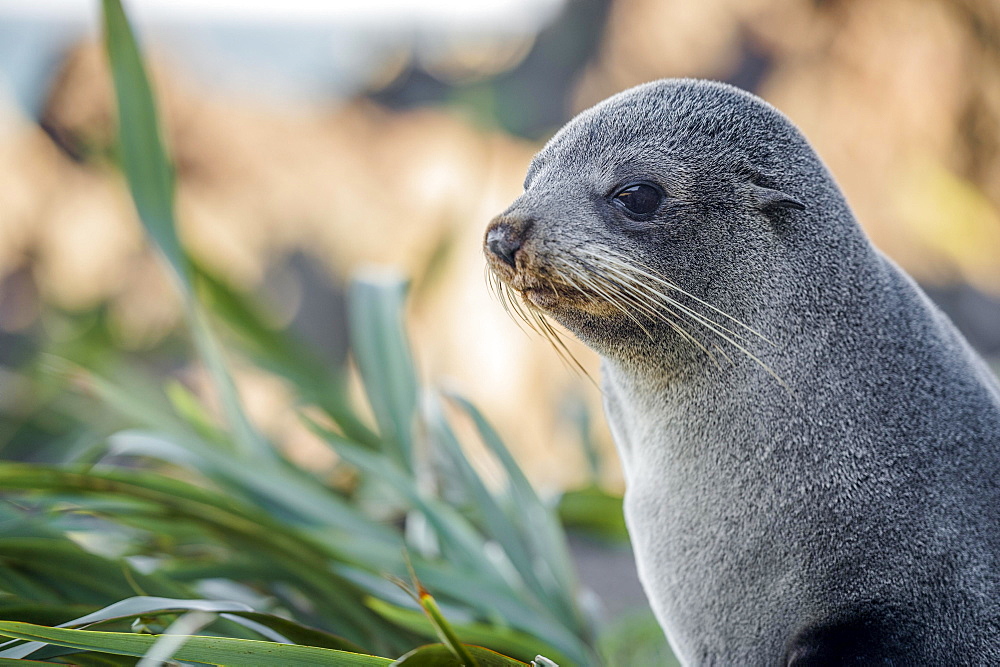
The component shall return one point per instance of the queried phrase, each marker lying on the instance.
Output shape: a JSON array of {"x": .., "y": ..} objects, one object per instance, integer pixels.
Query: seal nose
[{"x": 503, "y": 242}]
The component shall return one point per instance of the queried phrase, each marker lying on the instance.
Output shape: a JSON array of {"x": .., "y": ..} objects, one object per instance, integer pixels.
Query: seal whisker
[
  {"x": 723, "y": 333},
  {"x": 632, "y": 297},
  {"x": 723, "y": 353},
  {"x": 655, "y": 294},
  {"x": 712, "y": 326},
  {"x": 556, "y": 341},
  {"x": 516, "y": 310},
  {"x": 521, "y": 310},
  {"x": 610, "y": 297},
  {"x": 640, "y": 289},
  {"x": 625, "y": 271},
  {"x": 502, "y": 293},
  {"x": 594, "y": 280},
  {"x": 636, "y": 298},
  {"x": 614, "y": 292},
  {"x": 648, "y": 272}
]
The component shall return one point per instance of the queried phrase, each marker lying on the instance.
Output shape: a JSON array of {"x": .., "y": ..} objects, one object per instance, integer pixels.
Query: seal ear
[{"x": 768, "y": 199}]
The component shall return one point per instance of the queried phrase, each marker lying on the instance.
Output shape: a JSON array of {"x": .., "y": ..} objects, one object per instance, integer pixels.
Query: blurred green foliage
[{"x": 146, "y": 506}]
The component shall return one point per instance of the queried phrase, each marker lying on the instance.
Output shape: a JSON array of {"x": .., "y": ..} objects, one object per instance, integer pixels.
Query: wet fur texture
[{"x": 827, "y": 496}]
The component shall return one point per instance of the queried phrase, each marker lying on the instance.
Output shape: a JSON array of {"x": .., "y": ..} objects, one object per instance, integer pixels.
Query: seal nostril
[{"x": 502, "y": 245}]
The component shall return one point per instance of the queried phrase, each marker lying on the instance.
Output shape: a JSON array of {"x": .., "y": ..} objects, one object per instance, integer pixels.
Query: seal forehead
[{"x": 679, "y": 117}]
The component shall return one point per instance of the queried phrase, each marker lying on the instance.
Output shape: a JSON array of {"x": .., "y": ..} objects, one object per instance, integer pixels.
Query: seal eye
[{"x": 638, "y": 199}]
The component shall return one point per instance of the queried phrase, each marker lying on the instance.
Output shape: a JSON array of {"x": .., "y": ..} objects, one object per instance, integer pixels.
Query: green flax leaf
[{"x": 210, "y": 650}]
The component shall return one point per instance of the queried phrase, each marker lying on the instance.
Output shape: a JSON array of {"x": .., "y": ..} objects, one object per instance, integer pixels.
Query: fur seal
[{"x": 811, "y": 450}]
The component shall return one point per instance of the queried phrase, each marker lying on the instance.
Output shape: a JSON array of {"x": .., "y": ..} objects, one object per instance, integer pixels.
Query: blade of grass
[
  {"x": 496, "y": 600},
  {"x": 250, "y": 443},
  {"x": 12, "y": 608},
  {"x": 304, "y": 500},
  {"x": 243, "y": 527},
  {"x": 375, "y": 306},
  {"x": 285, "y": 630},
  {"x": 497, "y": 523},
  {"x": 26, "y": 587},
  {"x": 284, "y": 354},
  {"x": 542, "y": 527},
  {"x": 443, "y": 628},
  {"x": 144, "y": 159},
  {"x": 498, "y": 638},
  {"x": 151, "y": 180},
  {"x": 174, "y": 637},
  {"x": 298, "y": 632},
  {"x": 439, "y": 655},
  {"x": 211, "y": 650},
  {"x": 58, "y": 563},
  {"x": 491, "y": 592},
  {"x": 465, "y": 544}
]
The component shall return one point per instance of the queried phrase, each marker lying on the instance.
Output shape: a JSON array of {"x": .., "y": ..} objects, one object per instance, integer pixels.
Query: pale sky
[
  {"x": 285, "y": 49},
  {"x": 467, "y": 14}
]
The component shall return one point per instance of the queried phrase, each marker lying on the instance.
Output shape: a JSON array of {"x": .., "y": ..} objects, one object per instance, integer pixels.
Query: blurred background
[{"x": 315, "y": 139}]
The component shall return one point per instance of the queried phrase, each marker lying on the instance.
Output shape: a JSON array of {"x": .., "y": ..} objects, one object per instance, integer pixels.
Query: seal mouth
[
  {"x": 539, "y": 291},
  {"x": 540, "y": 286}
]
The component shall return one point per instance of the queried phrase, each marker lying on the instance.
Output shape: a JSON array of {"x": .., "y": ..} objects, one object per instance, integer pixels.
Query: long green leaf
[
  {"x": 444, "y": 629},
  {"x": 491, "y": 593},
  {"x": 124, "y": 609},
  {"x": 283, "y": 353},
  {"x": 275, "y": 628},
  {"x": 490, "y": 598},
  {"x": 438, "y": 655},
  {"x": 144, "y": 159},
  {"x": 210, "y": 650},
  {"x": 58, "y": 564},
  {"x": 543, "y": 528},
  {"x": 465, "y": 544},
  {"x": 498, "y": 638},
  {"x": 383, "y": 356},
  {"x": 25, "y": 587},
  {"x": 251, "y": 444},
  {"x": 499, "y": 526},
  {"x": 299, "y": 633},
  {"x": 299, "y": 495},
  {"x": 297, "y": 555},
  {"x": 151, "y": 179}
]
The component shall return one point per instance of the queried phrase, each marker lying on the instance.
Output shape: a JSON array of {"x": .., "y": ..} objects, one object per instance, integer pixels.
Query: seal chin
[{"x": 542, "y": 297}]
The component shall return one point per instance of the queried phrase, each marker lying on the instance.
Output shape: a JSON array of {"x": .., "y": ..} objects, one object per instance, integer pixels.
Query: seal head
[{"x": 624, "y": 208}]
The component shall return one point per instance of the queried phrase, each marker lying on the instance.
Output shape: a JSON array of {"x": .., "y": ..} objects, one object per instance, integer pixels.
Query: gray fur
[{"x": 847, "y": 514}]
